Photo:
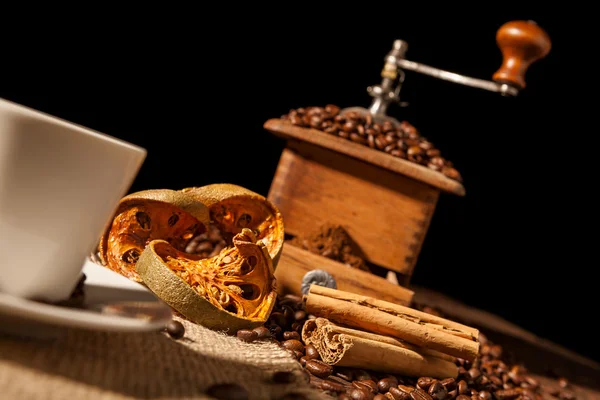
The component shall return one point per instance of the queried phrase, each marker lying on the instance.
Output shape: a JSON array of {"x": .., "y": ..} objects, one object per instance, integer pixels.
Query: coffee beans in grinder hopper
[
  {"x": 404, "y": 141},
  {"x": 490, "y": 377}
]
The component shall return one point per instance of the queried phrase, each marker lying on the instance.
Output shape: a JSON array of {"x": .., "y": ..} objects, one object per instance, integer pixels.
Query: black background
[{"x": 195, "y": 87}]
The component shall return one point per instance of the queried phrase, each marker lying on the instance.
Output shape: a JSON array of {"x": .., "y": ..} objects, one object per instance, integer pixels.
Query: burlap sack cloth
[{"x": 105, "y": 365}]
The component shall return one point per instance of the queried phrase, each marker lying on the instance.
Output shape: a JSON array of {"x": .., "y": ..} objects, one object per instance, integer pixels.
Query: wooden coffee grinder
[{"x": 384, "y": 202}]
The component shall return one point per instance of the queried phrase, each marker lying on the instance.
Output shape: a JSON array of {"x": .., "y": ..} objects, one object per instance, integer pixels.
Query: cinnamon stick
[
  {"x": 385, "y": 318},
  {"x": 390, "y": 340},
  {"x": 352, "y": 348}
]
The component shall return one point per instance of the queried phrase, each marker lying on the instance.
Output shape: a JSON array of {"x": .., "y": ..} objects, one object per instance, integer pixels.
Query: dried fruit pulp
[
  {"x": 237, "y": 280},
  {"x": 139, "y": 224},
  {"x": 232, "y": 215}
]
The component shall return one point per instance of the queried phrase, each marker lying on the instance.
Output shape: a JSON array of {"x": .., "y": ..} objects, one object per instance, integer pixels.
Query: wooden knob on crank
[{"x": 522, "y": 43}]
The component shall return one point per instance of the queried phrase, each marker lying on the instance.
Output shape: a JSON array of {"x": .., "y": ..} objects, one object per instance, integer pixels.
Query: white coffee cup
[{"x": 60, "y": 184}]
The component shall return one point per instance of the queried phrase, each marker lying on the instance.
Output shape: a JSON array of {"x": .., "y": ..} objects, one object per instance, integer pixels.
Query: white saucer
[{"x": 112, "y": 303}]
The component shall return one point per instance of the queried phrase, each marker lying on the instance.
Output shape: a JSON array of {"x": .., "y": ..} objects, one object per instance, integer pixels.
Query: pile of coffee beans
[
  {"x": 207, "y": 244},
  {"x": 334, "y": 242},
  {"x": 403, "y": 141},
  {"x": 490, "y": 377}
]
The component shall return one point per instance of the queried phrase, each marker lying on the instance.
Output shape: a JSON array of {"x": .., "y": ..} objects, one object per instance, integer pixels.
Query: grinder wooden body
[{"x": 385, "y": 203}]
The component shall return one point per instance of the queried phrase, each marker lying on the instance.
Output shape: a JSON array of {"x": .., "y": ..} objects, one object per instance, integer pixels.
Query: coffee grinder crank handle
[{"x": 521, "y": 42}]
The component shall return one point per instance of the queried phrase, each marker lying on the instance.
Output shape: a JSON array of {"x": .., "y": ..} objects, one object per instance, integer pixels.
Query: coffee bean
[
  {"x": 288, "y": 313},
  {"x": 496, "y": 381},
  {"x": 262, "y": 332},
  {"x": 380, "y": 397},
  {"x": 398, "y": 153},
  {"x": 319, "y": 368},
  {"x": 390, "y": 147},
  {"x": 300, "y": 315},
  {"x": 283, "y": 377},
  {"x": 385, "y": 384},
  {"x": 508, "y": 394},
  {"x": 419, "y": 394},
  {"x": 331, "y": 129},
  {"x": 316, "y": 121},
  {"x": 433, "y": 153},
  {"x": 463, "y": 397},
  {"x": 425, "y": 382},
  {"x": 293, "y": 344},
  {"x": 296, "y": 120},
  {"x": 463, "y": 388},
  {"x": 276, "y": 331},
  {"x": 349, "y": 126},
  {"x": 332, "y": 386},
  {"x": 406, "y": 389},
  {"x": 340, "y": 381},
  {"x": 371, "y": 141},
  {"x": 390, "y": 139},
  {"x": 311, "y": 352},
  {"x": 360, "y": 394},
  {"x": 228, "y": 391},
  {"x": 344, "y": 396},
  {"x": 367, "y": 384},
  {"x": 289, "y": 335},
  {"x": 345, "y": 373},
  {"x": 475, "y": 374},
  {"x": 485, "y": 395},
  {"x": 355, "y": 137},
  {"x": 303, "y": 360},
  {"x": 414, "y": 151},
  {"x": 436, "y": 160},
  {"x": 380, "y": 142},
  {"x": 398, "y": 394},
  {"x": 514, "y": 377},
  {"x": 533, "y": 383},
  {"x": 278, "y": 318},
  {"x": 449, "y": 383},
  {"x": 175, "y": 329},
  {"x": 437, "y": 391},
  {"x": 451, "y": 173},
  {"x": 298, "y": 354},
  {"x": 452, "y": 395},
  {"x": 247, "y": 335}
]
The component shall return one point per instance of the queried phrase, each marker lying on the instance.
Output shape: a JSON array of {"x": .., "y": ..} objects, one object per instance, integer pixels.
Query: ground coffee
[{"x": 334, "y": 242}]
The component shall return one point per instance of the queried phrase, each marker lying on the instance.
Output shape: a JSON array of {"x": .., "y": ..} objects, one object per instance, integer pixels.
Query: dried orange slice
[
  {"x": 233, "y": 208},
  {"x": 231, "y": 291},
  {"x": 149, "y": 215}
]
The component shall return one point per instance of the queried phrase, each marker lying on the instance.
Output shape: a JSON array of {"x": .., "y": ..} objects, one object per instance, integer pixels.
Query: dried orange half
[
  {"x": 230, "y": 291},
  {"x": 146, "y": 216},
  {"x": 233, "y": 208}
]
